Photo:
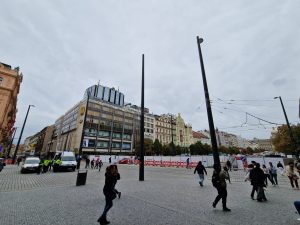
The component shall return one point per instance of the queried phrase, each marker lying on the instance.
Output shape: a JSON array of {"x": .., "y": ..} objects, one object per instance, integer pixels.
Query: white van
[{"x": 68, "y": 161}]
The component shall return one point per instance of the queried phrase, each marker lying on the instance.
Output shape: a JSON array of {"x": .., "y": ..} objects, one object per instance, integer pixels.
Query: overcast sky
[{"x": 251, "y": 52}]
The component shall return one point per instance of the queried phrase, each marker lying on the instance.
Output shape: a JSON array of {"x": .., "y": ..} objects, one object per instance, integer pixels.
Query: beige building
[
  {"x": 265, "y": 144},
  {"x": 165, "y": 129},
  {"x": 37, "y": 144},
  {"x": 184, "y": 133},
  {"x": 10, "y": 81},
  {"x": 149, "y": 120}
]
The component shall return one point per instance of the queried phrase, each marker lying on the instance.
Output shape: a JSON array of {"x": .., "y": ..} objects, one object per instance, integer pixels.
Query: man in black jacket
[
  {"x": 257, "y": 178},
  {"x": 200, "y": 170}
]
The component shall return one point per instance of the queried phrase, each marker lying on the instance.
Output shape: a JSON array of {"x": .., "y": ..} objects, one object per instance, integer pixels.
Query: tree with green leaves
[
  {"x": 157, "y": 147},
  {"x": 148, "y": 146},
  {"x": 199, "y": 149},
  {"x": 282, "y": 141}
]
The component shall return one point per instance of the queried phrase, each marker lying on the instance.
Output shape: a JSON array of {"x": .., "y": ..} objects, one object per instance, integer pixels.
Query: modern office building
[
  {"x": 10, "y": 81},
  {"x": 98, "y": 124}
]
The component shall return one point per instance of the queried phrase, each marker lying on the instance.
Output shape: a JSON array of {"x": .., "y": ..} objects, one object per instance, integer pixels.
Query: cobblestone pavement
[{"x": 167, "y": 196}]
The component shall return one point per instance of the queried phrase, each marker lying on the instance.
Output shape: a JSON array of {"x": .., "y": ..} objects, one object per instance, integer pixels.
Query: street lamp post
[
  {"x": 289, "y": 128},
  {"x": 20, "y": 137},
  {"x": 142, "y": 150},
  {"x": 208, "y": 108}
]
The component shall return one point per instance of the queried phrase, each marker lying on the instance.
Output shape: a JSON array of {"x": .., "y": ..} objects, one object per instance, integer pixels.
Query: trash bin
[{"x": 81, "y": 177}]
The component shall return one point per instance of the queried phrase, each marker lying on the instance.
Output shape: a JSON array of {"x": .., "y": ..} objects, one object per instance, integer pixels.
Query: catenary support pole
[
  {"x": 142, "y": 150},
  {"x": 208, "y": 108}
]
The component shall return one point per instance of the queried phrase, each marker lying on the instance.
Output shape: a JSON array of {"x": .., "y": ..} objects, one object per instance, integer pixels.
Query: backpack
[{"x": 215, "y": 179}]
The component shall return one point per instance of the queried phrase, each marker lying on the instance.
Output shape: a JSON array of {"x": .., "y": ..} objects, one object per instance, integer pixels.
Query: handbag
[{"x": 295, "y": 177}]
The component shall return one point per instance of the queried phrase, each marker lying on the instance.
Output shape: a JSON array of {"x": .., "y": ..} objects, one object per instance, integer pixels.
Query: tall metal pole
[
  {"x": 84, "y": 121},
  {"x": 142, "y": 151},
  {"x": 173, "y": 146},
  {"x": 11, "y": 143},
  {"x": 289, "y": 128},
  {"x": 208, "y": 108},
  {"x": 20, "y": 137}
]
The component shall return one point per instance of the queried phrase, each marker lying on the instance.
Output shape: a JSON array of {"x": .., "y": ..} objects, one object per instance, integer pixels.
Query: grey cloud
[{"x": 64, "y": 46}]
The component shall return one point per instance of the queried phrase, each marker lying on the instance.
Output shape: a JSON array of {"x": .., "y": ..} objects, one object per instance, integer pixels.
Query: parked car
[
  {"x": 67, "y": 159},
  {"x": 2, "y": 164},
  {"x": 124, "y": 161},
  {"x": 31, "y": 164}
]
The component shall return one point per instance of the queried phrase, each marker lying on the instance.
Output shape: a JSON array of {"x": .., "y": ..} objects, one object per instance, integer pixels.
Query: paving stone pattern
[{"x": 167, "y": 196}]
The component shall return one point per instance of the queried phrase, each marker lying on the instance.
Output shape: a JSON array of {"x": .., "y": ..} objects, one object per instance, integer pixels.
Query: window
[
  {"x": 102, "y": 144},
  {"x": 91, "y": 143},
  {"x": 127, "y": 136},
  {"x": 117, "y": 136},
  {"x": 116, "y": 145},
  {"x": 1, "y": 80},
  {"x": 103, "y": 133},
  {"x": 126, "y": 146}
]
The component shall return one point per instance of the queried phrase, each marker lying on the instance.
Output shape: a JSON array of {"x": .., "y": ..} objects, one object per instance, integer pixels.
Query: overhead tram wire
[{"x": 247, "y": 113}]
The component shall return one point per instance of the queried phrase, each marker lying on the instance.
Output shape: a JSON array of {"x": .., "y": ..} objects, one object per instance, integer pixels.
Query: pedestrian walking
[
  {"x": 254, "y": 187},
  {"x": 109, "y": 160},
  {"x": 100, "y": 164},
  {"x": 92, "y": 163},
  {"x": 188, "y": 163},
  {"x": 297, "y": 206},
  {"x": 225, "y": 170},
  {"x": 97, "y": 163},
  {"x": 280, "y": 168},
  {"x": 19, "y": 159},
  {"x": 109, "y": 193},
  {"x": 200, "y": 170},
  {"x": 267, "y": 175},
  {"x": 273, "y": 174},
  {"x": 118, "y": 177},
  {"x": 87, "y": 163},
  {"x": 219, "y": 182},
  {"x": 291, "y": 173},
  {"x": 39, "y": 169},
  {"x": 257, "y": 178},
  {"x": 228, "y": 164}
]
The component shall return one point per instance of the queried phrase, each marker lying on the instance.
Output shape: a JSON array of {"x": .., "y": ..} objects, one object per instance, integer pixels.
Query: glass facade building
[{"x": 106, "y": 94}]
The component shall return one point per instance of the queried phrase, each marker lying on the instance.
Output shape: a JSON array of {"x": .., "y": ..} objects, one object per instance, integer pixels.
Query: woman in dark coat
[
  {"x": 257, "y": 178},
  {"x": 109, "y": 192}
]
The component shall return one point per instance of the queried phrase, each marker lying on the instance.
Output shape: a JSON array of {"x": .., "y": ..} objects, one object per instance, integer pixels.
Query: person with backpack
[
  {"x": 200, "y": 170},
  {"x": 219, "y": 182}
]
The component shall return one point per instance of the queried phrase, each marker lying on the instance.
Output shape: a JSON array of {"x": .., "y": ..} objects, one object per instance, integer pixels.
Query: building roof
[{"x": 199, "y": 135}]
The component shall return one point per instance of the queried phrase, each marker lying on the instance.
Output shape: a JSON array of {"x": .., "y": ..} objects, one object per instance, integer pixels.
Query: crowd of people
[{"x": 94, "y": 164}]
